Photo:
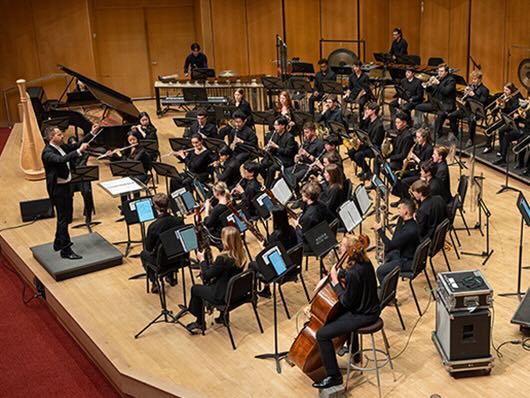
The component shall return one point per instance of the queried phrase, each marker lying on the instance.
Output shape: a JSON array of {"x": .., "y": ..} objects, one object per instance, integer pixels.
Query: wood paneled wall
[{"x": 128, "y": 43}]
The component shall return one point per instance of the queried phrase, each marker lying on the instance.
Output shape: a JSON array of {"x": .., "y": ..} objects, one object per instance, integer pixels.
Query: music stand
[
  {"x": 86, "y": 174},
  {"x": 149, "y": 145},
  {"x": 349, "y": 215},
  {"x": 488, "y": 252},
  {"x": 127, "y": 168},
  {"x": 301, "y": 117},
  {"x": 405, "y": 59},
  {"x": 201, "y": 74},
  {"x": 185, "y": 122},
  {"x": 332, "y": 87},
  {"x": 384, "y": 58},
  {"x": 342, "y": 70},
  {"x": 524, "y": 208},
  {"x": 321, "y": 240},
  {"x": 195, "y": 94},
  {"x": 132, "y": 217},
  {"x": 363, "y": 202},
  {"x": 213, "y": 144},
  {"x": 166, "y": 170},
  {"x": 266, "y": 264},
  {"x": 180, "y": 143},
  {"x": 223, "y": 112},
  {"x": 509, "y": 123},
  {"x": 302, "y": 67},
  {"x": 273, "y": 83},
  {"x": 299, "y": 84}
]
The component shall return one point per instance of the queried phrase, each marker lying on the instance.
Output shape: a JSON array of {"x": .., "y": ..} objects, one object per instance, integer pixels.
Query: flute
[
  {"x": 115, "y": 151},
  {"x": 176, "y": 152}
]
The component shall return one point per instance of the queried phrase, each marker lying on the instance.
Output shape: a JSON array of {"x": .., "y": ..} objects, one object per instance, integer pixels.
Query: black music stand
[
  {"x": 342, "y": 70},
  {"x": 168, "y": 171},
  {"x": 127, "y": 168},
  {"x": 524, "y": 209},
  {"x": 178, "y": 144},
  {"x": 213, "y": 144},
  {"x": 273, "y": 85},
  {"x": 224, "y": 112},
  {"x": 488, "y": 252},
  {"x": 385, "y": 58},
  {"x": 301, "y": 117},
  {"x": 265, "y": 266},
  {"x": 405, "y": 59},
  {"x": 86, "y": 174},
  {"x": 202, "y": 74},
  {"x": 265, "y": 118},
  {"x": 332, "y": 87},
  {"x": 183, "y": 121},
  {"x": 509, "y": 123},
  {"x": 302, "y": 67},
  {"x": 131, "y": 217},
  {"x": 149, "y": 145},
  {"x": 195, "y": 94},
  {"x": 321, "y": 240}
]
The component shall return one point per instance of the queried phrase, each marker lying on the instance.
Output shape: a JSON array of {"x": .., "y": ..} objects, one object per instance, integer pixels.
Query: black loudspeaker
[{"x": 36, "y": 209}]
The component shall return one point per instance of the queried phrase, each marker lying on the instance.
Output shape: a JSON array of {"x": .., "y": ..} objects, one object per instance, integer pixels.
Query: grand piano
[{"x": 113, "y": 111}]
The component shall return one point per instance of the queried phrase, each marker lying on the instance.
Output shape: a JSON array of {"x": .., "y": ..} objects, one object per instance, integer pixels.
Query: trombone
[
  {"x": 521, "y": 145},
  {"x": 500, "y": 102}
]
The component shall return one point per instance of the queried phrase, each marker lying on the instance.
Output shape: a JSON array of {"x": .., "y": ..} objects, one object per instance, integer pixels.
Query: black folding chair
[
  {"x": 438, "y": 244},
  {"x": 419, "y": 263},
  {"x": 387, "y": 293}
]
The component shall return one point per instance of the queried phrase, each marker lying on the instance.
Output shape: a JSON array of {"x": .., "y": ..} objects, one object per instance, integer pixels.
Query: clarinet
[
  {"x": 202, "y": 237},
  {"x": 311, "y": 166}
]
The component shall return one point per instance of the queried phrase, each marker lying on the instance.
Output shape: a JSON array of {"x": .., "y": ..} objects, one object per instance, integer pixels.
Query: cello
[{"x": 304, "y": 352}]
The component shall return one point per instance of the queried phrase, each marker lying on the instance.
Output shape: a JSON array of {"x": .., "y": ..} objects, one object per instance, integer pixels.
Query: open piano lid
[{"x": 107, "y": 96}]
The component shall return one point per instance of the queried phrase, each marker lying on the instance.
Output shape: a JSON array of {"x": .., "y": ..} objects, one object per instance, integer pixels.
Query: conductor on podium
[{"x": 57, "y": 158}]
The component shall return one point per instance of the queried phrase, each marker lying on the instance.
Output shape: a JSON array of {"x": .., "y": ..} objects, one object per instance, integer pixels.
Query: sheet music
[
  {"x": 350, "y": 216},
  {"x": 363, "y": 199},
  {"x": 281, "y": 191},
  {"x": 121, "y": 186}
]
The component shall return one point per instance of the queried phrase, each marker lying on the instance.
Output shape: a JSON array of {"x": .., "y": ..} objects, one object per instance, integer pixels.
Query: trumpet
[
  {"x": 433, "y": 81},
  {"x": 467, "y": 92}
]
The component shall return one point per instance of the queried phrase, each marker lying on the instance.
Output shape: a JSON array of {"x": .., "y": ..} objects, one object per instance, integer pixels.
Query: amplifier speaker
[{"x": 36, "y": 209}]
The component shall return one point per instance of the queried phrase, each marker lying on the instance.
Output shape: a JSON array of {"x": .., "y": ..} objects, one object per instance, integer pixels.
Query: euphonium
[
  {"x": 387, "y": 147},
  {"x": 351, "y": 142}
]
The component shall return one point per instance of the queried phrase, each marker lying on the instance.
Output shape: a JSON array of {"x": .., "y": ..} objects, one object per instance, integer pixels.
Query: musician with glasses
[
  {"x": 324, "y": 74},
  {"x": 331, "y": 112},
  {"x": 442, "y": 90},
  {"x": 399, "y": 44},
  {"x": 477, "y": 91}
]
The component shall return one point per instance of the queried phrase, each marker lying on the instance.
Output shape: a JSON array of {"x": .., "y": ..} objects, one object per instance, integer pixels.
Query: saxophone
[{"x": 406, "y": 161}]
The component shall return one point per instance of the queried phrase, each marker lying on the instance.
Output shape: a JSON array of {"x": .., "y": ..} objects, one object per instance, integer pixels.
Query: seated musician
[
  {"x": 248, "y": 188},
  {"x": 402, "y": 143},
  {"x": 284, "y": 107},
  {"x": 358, "y": 87},
  {"x": 230, "y": 262},
  {"x": 202, "y": 126},
  {"x": 164, "y": 221},
  {"x": 227, "y": 167},
  {"x": 146, "y": 128},
  {"x": 410, "y": 97},
  {"x": 198, "y": 160},
  {"x": 325, "y": 73},
  {"x": 507, "y": 135},
  {"x": 432, "y": 209},
  {"x": 313, "y": 210},
  {"x": 240, "y": 135},
  {"x": 196, "y": 59},
  {"x": 439, "y": 157},
  {"x": 356, "y": 288},
  {"x": 478, "y": 91},
  {"x": 309, "y": 152},
  {"x": 443, "y": 94},
  {"x": 242, "y": 105},
  {"x": 213, "y": 216},
  {"x": 428, "y": 170},
  {"x": 331, "y": 147},
  {"x": 376, "y": 133},
  {"x": 399, "y": 44},
  {"x": 331, "y": 112},
  {"x": 283, "y": 233},
  {"x": 400, "y": 249},
  {"x": 333, "y": 193},
  {"x": 421, "y": 151},
  {"x": 507, "y": 103},
  {"x": 84, "y": 187},
  {"x": 133, "y": 152},
  {"x": 282, "y": 147}
]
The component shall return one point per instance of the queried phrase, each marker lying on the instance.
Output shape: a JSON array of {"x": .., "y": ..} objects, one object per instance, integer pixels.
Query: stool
[{"x": 371, "y": 330}]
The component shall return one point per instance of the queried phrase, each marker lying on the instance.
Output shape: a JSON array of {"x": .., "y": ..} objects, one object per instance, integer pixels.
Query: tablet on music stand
[
  {"x": 236, "y": 221},
  {"x": 379, "y": 184},
  {"x": 524, "y": 208},
  {"x": 179, "y": 240},
  {"x": 201, "y": 190},
  {"x": 273, "y": 262},
  {"x": 263, "y": 204},
  {"x": 349, "y": 215},
  {"x": 184, "y": 201},
  {"x": 138, "y": 210}
]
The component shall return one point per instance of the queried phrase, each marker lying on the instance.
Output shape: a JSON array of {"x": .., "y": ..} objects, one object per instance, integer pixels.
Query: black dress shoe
[
  {"x": 329, "y": 381},
  {"x": 70, "y": 255},
  {"x": 193, "y": 327},
  {"x": 499, "y": 162}
]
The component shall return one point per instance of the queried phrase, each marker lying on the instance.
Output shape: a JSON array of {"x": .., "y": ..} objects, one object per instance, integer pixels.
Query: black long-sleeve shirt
[
  {"x": 208, "y": 130},
  {"x": 423, "y": 152},
  {"x": 215, "y": 222},
  {"x": 402, "y": 145},
  {"x": 163, "y": 222},
  {"x": 218, "y": 274},
  {"x": 442, "y": 174},
  {"x": 413, "y": 90},
  {"x": 333, "y": 198},
  {"x": 445, "y": 93},
  {"x": 251, "y": 189},
  {"x": 376, "y": 132},
  {"x": 314, "y": 148},
  {"x": 313, "y": 215},
  {"x": 287, "y": 147},
  {"x": 405, "y": 238},
  {"x": 320, "y": 77},
  {"x": 399, "y": 47},
  {"x": 330, "y": 115},
  {"x": 359, "y": 296},
  {"x": 199, "y": 164},
  {"x": 199, "y": 61},
  {"x": 357, "y": 83},
  {"x": 432, "y": 211},
  {"x": 286, "y": 238},
  {"x": 246, "y": 134},
  {"x": 231, "y": 174}
]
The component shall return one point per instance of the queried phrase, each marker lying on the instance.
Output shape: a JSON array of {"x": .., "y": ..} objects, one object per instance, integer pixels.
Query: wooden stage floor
[{"x": 104, "y": 310}]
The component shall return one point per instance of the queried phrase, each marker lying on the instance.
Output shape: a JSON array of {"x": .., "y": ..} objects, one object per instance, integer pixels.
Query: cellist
[{"x": 356, "y": 288}]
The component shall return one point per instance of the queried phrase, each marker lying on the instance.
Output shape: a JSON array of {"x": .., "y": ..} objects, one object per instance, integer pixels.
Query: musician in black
[
  {"x": 248, "y": 188},
  {"x": 333, "y": 193},
  {"x": 400, "y": 249},
  {"x": 198, "y": 161},
  {"x": 57, "y": 158},
  {"x": 476, "y": 91},
  {"x": 164, "y": 221},
  {"x": 282, "y": 148},
  {"x": 202, "y": 126},
  {"x": 133, "y": 152},
  {"x": 196, "y": 59},
  {"x": 358, "y": 87},
  {"x": 313, "y": 210},
  {"x": 214, "y": 220},
  {"x": 331, "y": 112},
  {"x": 428, "y": 171},
  {"x": 399, "y": 44},
  {"x": 309, "y": 152},
  {"x": 376, "y": 133},
  {"x": 146, "y": 129},
  {"x": 227, "y": 167},
  {"x": 324, "y": 74},
  {"x": 402, "y": 143},
  {"x": 432, "y": 209},
  {"x": 241, "y": 138},
  {"x": 242, "y": 105},
  {"x": 439, "y": 157},
  {"x": 408, "y": 96},
  {"x": 442, "y": 90},
  {"x": 356, "y": 288},
  {"x": 506, "y": 104},
  {"x": 230, "y": 262}
]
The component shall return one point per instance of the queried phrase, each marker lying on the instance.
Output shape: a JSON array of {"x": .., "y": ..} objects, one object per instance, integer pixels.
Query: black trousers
[
  {"x": 507, "y": 136},
  {"x": 314, "y": 98},
  {"x": 359, "y": 157},
  {"x": 62, "y": 199},
  {"x": 86, "y": 192},
  {"x": 392, "y": 260},
  {"x": 200, "y": 293},
  {"x": 346, "y": 323},
  {"x": 471, "y": 122},
  {"x": 440, "y": 116}
]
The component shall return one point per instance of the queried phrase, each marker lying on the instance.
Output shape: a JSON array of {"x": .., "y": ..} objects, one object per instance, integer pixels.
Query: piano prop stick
[{"x": 32, "y": 142}]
